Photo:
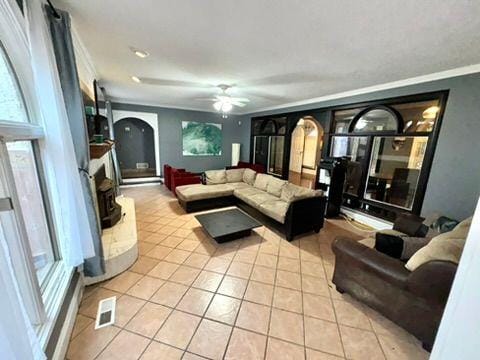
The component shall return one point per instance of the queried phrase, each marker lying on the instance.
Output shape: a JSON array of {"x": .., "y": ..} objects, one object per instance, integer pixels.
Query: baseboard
[
  {"x": 67, "y": 328},
  {"x": 376, "y": 223}
]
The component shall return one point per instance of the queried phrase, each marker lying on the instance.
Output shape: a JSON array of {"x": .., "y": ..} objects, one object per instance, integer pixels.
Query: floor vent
[{"x": 106, "y": 312}]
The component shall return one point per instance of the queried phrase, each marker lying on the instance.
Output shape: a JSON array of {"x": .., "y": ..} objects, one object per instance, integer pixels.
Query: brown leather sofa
[{"x": 414, "y": 300}]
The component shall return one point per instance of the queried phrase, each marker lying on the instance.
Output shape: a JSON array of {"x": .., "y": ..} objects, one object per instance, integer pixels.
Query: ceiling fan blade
[
  {"x": 206, "y": 99},
  {"x": 171, "y": 82},
  {"x": 238, "y": 103},
  {"x": 239, "y": 99}
]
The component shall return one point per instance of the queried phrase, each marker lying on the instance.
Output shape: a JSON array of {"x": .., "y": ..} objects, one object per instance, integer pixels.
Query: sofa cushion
[
  {"x": 261, "y": 181},
  {"x": 260, "y": 198},
  {"x": 201, "y": 192},
  {"x": 215, "y": 177},
  {"x": 244, "y": 193},
  {"x": 249, "y": 176},
  {"x": 234, "y": 175},
  {"x": 237, "y": 185},
  {"x": 275, "y": 186},
  {"x": 292, "y": 193},
  {"x": 445, "y": 247},
  {"x": 276, "y": 209}
]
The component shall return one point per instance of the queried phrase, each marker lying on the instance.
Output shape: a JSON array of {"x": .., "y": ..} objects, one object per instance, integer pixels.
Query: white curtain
[
  {"x": 70, "y": 213},
  {"x": 17, "y": 336}
]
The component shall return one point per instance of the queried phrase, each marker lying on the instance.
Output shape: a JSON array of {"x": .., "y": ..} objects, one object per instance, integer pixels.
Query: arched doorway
[
  {"x": 135, "y": 147},
  {"x": 305, "y": 151}
]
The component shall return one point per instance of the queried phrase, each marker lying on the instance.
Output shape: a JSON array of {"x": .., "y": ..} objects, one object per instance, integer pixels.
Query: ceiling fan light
[
  {"x": 136, "y": 79},
  {"x": 217, "y": 105},
  {"x": 226, "y": 107}
]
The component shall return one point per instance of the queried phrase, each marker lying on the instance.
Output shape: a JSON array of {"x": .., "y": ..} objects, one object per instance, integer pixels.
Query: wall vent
[
  {"x": 142, "y": 165},
  {"x": 106, "y": 312}
]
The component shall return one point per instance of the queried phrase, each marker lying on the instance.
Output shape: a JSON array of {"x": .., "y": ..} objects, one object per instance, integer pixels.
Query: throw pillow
[
  {"x": 249, "y": 176},
  {"x": 234, "y": 175},
  {"x": 215, "y": 177},
  {"x": 261, "y": 181},
  {"x": 275, "y": 186}
]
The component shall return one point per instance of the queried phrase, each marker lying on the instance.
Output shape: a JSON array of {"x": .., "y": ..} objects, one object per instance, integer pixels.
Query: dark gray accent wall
[
  {"x": 235, "y": 129},
  {"x": 454, "y": 184},
  {"x": 135, "y": 143}
]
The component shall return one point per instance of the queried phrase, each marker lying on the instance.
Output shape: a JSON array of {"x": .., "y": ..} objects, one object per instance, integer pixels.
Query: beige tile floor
[{"x": 260, "y": 297}]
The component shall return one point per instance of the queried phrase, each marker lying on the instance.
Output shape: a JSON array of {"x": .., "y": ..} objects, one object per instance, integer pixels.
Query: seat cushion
[
  {"x": 276, "y": 209},
  {"x": 249, "y": 176},
  {"x": 234, "y": 175},
  {"x": 258, "y": 199},
  {"x": 213, "y": 177},
  {"x": 244, "y": 193},
  {"x": 275, "y": 186},
  {"x": 261, "y": 181},
  {"x": 201, "y": 192}
]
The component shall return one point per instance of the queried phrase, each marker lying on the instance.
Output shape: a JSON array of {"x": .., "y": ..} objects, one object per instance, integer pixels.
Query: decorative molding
[
  {"x": 161, "y": 105},
  {"x": 465, "y": 70}
]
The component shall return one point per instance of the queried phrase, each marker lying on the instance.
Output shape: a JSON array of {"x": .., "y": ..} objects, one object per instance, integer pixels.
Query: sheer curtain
[{"x": 70, "y": 212}]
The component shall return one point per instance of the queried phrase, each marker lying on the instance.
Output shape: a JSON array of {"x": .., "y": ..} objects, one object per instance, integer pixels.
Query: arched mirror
[{"x": 377, "y": 119}]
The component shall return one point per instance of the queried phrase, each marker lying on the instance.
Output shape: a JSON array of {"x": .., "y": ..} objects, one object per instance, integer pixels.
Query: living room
[{"x": 239, "y": 180}]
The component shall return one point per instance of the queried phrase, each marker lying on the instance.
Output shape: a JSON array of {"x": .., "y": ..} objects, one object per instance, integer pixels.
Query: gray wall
[
  {"x": 170, "y": 133},
  {"x": 136, "y": 145},
  {"x": 454, "y": 183}
]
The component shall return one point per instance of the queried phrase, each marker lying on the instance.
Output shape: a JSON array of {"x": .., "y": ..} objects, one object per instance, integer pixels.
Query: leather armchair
[
  {"x": 179, "y": 177},
  {"x": 414, "y": 300}
]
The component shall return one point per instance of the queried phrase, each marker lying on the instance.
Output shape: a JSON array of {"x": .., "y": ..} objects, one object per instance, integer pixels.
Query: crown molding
[
  {"x": 160, "y": 105},
  {"x": 83, "y": 58},
  {"x": 465, "y": 70}
]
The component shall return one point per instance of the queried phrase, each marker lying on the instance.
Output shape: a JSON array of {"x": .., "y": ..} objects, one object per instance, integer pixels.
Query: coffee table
[{"x": 227, "y": 225}]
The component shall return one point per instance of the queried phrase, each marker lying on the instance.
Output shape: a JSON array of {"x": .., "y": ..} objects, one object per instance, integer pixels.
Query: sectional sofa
[{"x": 291, "y": 209}]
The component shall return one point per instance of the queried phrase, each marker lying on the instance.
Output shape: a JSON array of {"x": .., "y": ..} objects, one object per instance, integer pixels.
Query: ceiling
[{"x": 275, "y": 52}]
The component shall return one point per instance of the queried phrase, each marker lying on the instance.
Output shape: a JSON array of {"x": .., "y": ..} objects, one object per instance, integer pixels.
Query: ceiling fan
[{"x": 223, "y": 102}]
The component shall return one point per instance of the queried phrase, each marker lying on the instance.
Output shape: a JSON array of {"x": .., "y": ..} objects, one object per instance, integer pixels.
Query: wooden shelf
[{"x": 98, "y": 150}]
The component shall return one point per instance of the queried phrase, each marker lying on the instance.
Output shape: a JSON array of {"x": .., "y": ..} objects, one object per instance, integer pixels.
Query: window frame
[
  {"x": 41, "y": 304},
  {"x": 442, "y": 97}
]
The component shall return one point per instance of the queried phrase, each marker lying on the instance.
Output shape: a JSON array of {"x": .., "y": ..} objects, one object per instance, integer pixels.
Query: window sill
[{"x": 53, "y": 297}]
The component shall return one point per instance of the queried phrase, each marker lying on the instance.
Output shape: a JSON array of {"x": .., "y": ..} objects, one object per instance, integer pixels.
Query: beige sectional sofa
[{"x": 290, "y": 208}]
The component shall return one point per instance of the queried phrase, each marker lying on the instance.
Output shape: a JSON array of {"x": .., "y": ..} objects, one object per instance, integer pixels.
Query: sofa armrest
[
  {"x": 184, "y": 180},
  {"x": 361, "y": 256},
  {"x": 305, "y": 215},
  {"x": 432, "y": 281}
]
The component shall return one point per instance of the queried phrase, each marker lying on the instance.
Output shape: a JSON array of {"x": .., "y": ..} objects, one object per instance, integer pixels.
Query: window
[
  {"x": 25, "y": 218},
  {"x": 389, "y": 146},
  {"x": 376, "y": 119},
  {"x": 394, "y": 170},
  {"x": 32, "y": 207},
  {"x": 275, "y": 162},
  {"x": 12, "y": 107}
]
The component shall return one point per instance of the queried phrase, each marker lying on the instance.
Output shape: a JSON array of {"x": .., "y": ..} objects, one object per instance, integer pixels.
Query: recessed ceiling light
[
  {"x": 136, "y": 79},
  {"x": 140, "y": 53}
]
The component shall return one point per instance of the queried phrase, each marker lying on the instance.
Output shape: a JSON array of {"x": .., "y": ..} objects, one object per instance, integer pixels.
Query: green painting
[{"x": 201, "y": 139}]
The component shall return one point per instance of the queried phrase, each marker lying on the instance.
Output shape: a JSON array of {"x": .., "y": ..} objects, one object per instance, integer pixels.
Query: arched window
[
  {"x": 12, "y": 106},
  {"x": 377, "y": 119}
]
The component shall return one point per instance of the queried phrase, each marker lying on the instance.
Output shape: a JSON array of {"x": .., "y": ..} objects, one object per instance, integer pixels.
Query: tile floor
[{"x": 255, "y": 298}]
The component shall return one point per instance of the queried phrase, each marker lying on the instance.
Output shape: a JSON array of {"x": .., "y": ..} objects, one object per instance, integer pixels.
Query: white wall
[{"x": 459, "y": 333}]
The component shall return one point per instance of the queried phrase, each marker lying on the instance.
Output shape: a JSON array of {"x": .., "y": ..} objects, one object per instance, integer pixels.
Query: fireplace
[{"x": 109, "y": 210}]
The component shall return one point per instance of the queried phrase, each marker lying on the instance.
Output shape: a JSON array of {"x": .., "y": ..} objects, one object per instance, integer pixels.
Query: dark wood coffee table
[{"x": 227, "y": 225}]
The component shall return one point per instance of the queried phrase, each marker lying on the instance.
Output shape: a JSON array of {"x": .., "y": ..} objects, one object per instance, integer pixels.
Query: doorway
[
  {"x": 135, "y": 146},
  {"x": 305, "y": 152}
]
